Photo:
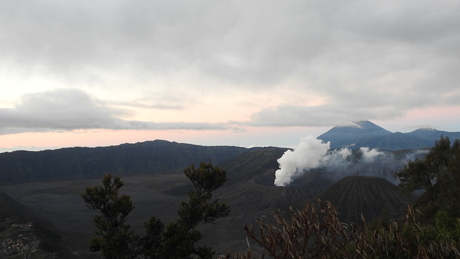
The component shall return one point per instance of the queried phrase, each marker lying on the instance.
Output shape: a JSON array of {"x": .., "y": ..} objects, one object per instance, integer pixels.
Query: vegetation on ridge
[{"x": 151, "y": 157}]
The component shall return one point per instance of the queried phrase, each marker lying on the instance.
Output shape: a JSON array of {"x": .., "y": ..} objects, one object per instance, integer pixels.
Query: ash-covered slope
[{"x": 370, "y": 196}]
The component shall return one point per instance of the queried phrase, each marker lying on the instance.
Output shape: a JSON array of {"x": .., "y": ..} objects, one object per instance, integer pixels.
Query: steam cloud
[{"x": 312, "y": 153}]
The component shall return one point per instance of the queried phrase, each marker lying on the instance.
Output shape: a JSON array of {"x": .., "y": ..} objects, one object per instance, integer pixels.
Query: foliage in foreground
[
  {"x": 438, "y": 175},
  {"x": 177, "y": 240},
  {"x": 316, "y": 232}
]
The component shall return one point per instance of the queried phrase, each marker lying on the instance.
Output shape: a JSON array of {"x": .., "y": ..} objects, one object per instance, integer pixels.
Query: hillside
[
  {"x": 370, "y": 196},
  {"x": 394, "y": 141},
  {"x": 21, "y": 234},
  {"x": 432, "y": 135},
  {"x": 151, "y": 157}
]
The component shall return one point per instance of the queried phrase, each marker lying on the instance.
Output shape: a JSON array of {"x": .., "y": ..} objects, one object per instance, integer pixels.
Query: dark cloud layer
[{"x": 70, "y": 109}]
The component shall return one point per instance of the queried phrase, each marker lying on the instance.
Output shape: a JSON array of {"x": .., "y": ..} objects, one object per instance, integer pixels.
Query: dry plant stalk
[{"x": 316, "y": 232}]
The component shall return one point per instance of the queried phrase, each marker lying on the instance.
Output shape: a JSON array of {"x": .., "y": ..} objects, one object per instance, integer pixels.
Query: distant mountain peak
[
  {"x": 348, "y": 124},
  {"x": 364, "y": 133},
  {"x": 365, "y": 124},
  {"x": 349, "y": 133}
]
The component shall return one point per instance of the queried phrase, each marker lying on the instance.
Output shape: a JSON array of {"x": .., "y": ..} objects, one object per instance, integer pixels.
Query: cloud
[
  {"x": 365, "y": 60},
  {"x": 323, "y": 115},
  {"x": 369, "y": 154},
  {"x": 71, "y": 109}
]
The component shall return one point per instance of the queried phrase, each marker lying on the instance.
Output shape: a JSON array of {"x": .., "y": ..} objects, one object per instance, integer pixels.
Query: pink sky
[{"x": 439, "y": 118}]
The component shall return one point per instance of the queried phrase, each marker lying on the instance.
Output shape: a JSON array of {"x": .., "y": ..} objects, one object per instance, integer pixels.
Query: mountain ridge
[
  {"x": 150, "y": 157},
  {"x": 367, "y": 134}
]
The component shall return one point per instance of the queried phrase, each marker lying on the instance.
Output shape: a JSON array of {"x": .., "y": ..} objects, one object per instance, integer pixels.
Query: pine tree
[
  {"x": 176, "y": 240},
  {"x": 115, "y": 237},
  {"x": 180, "y": 237}
]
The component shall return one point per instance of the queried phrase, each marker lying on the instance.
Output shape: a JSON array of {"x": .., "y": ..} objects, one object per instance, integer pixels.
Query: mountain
[
  {"x": 346, "y": 135},
  {"x": 370, "y": 196},
  {"x": 394, "y": 141},
  {"x": 432, "y": 135},
  {"x": 367, "y": 134},
  {"x": 151, "y": 157},
  {"x": 159, "y": 187}
]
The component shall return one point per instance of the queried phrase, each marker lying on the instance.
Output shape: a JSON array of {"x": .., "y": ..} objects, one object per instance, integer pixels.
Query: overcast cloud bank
[{"x": 286, "y": 64}]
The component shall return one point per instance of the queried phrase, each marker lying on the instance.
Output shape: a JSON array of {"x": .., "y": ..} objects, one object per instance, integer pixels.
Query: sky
[{"x": 245, "y": 73}]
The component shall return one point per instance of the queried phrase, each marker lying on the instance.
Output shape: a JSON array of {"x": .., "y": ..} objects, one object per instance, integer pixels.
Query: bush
[{"x": 316, "y": 232}]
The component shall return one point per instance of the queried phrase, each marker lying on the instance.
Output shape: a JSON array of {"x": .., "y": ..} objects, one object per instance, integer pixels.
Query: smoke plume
[{"x": 312, "y": 153}]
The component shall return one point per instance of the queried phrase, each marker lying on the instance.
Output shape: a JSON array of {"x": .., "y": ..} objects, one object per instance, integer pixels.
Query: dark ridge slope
[
  {"x": 256, "y": 163},
  {"x": 431, "y": 135},
  {"x": 150, "y": 157},
  {"x": 17, "y": 224},
  {"x": 370, "y": 196},
  {"x": 11, "y": 209}
]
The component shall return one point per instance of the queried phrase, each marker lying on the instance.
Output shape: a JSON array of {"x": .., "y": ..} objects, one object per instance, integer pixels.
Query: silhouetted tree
[
  {"x": 176, "y": 240},
  {"x": 115, "y": 238}
]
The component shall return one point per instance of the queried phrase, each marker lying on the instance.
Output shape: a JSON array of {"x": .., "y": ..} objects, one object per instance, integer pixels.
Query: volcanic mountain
[
  {"x": 370, "y": 196},
  {"x": 348, "y": 134},
  {"x": 367, "y": 134}
]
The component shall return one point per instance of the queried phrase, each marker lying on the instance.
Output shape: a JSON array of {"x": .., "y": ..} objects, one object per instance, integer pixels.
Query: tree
[
  {"x": 115, "y": 239},
  {"x": 176, "y": 240},
  {"x": 438, "y": 176}
]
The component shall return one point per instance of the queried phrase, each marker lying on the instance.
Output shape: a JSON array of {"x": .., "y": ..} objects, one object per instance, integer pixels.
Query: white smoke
[
  {"x": 370, "y": 154},
  {"x": 308, "y": 154},
  {"x": 312, "y": 153}
]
